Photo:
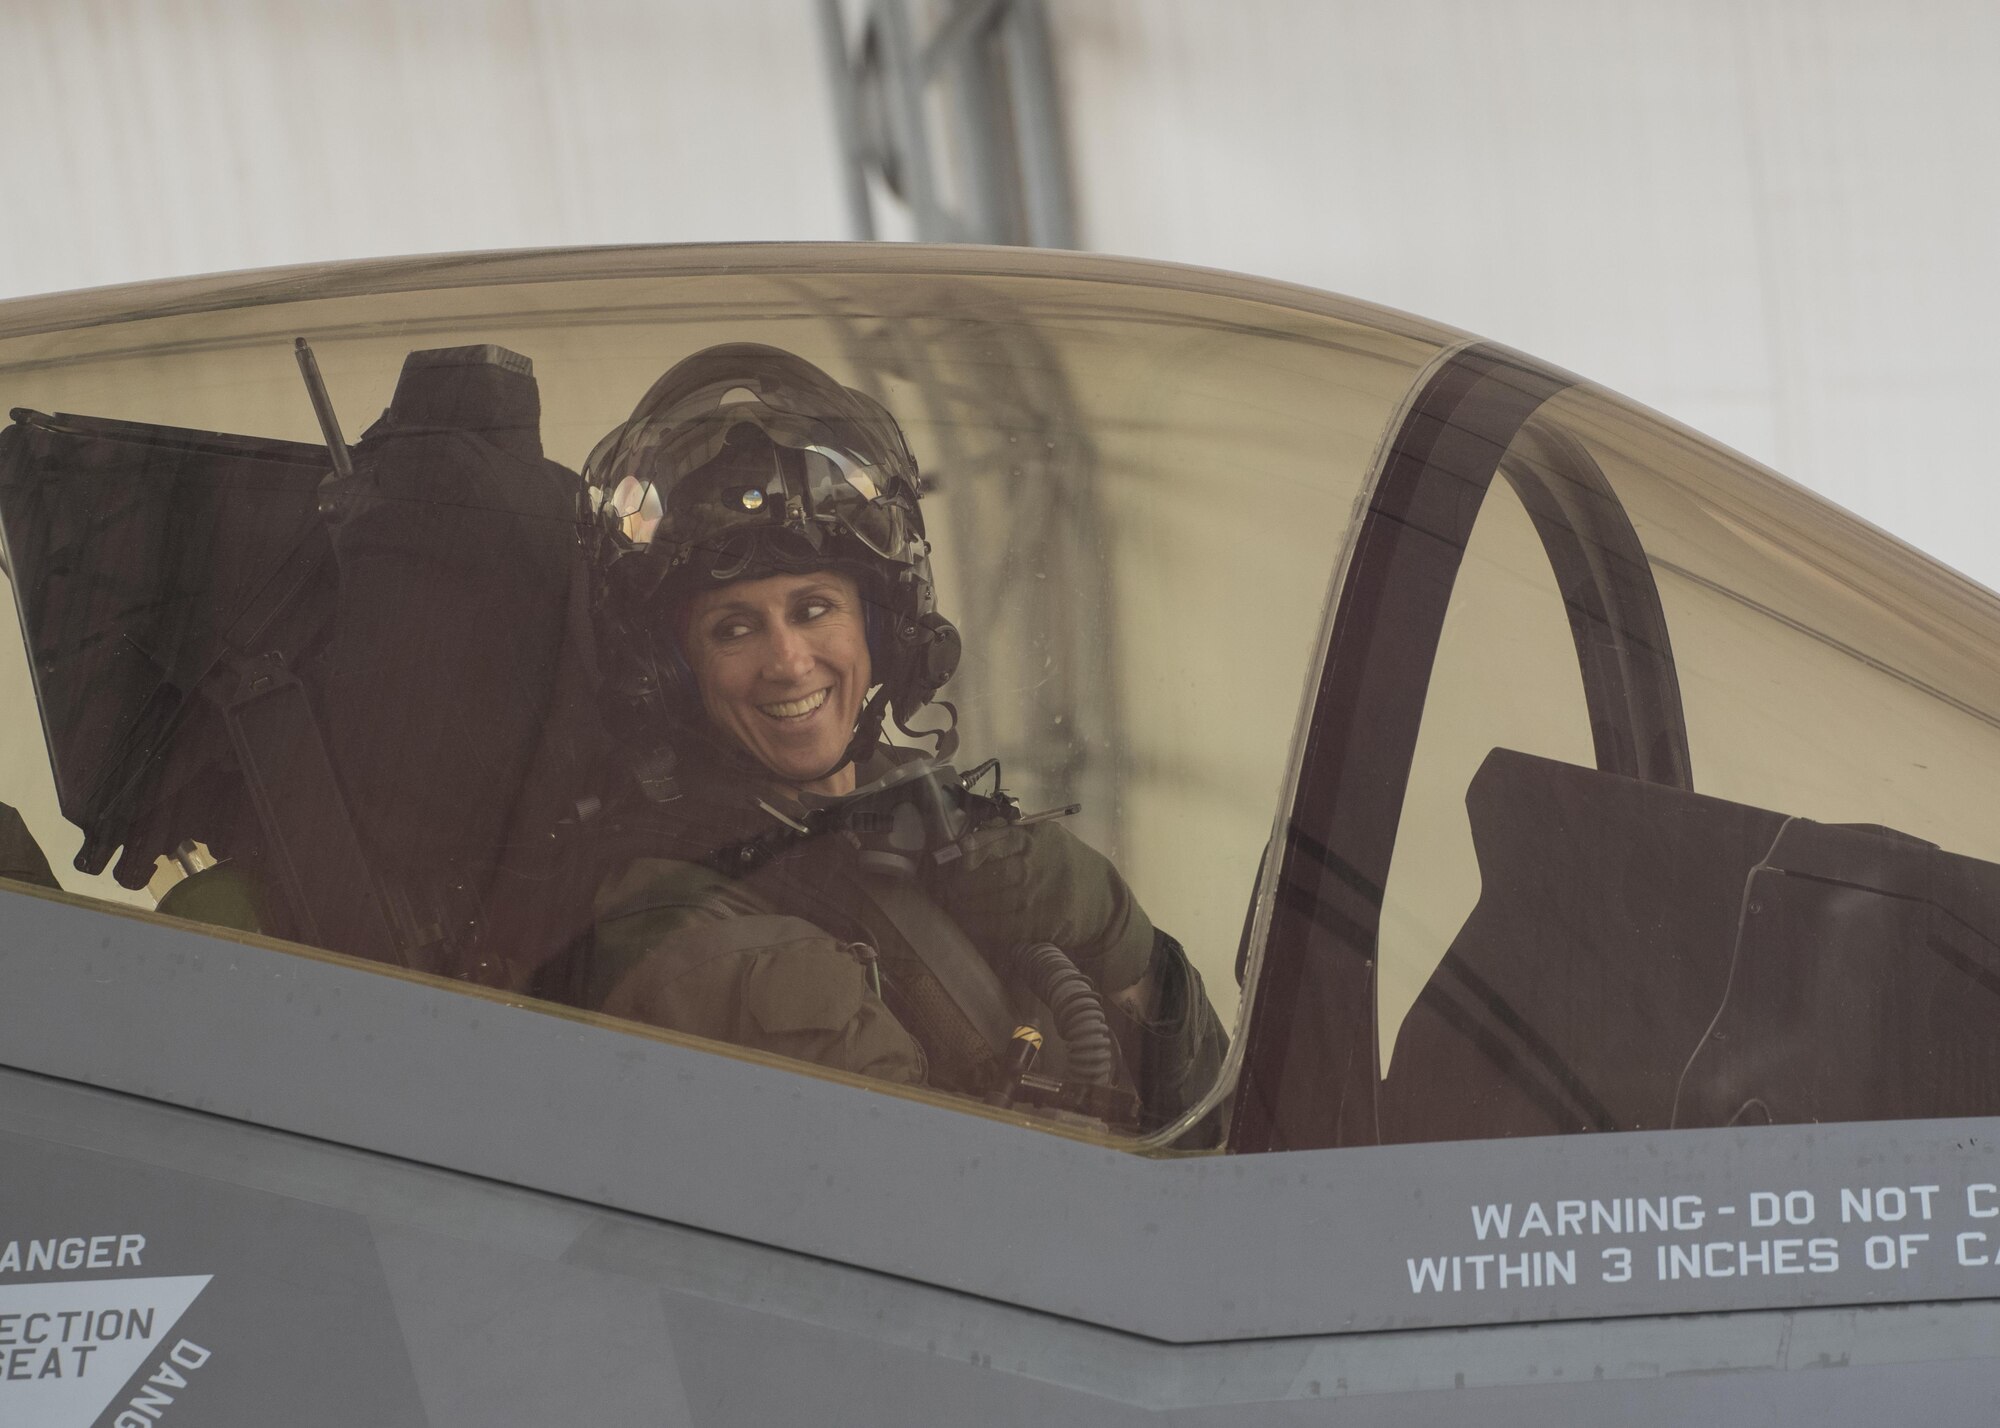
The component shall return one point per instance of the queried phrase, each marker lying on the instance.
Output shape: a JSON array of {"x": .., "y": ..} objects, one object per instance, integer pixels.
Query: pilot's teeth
[{"x": 793, "y": 708}]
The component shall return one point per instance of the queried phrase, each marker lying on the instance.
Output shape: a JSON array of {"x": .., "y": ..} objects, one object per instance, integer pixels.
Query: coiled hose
[{"x": 1078, "y": 1009}]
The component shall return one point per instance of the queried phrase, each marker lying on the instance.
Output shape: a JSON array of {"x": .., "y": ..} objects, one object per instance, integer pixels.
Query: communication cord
[{"x": 1075, "y": 1004}]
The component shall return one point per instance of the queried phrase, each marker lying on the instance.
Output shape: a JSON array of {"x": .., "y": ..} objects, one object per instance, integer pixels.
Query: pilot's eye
[
  {"x": 731, "y": 627},
  {"x": 813, "y": 607}
]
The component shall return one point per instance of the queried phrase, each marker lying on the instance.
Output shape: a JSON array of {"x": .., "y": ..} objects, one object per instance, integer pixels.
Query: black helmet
[{"x": 745, "y": 461}]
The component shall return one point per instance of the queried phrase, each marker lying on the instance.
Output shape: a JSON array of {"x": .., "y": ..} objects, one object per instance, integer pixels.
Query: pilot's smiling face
[{"x": 782, "y": 664}]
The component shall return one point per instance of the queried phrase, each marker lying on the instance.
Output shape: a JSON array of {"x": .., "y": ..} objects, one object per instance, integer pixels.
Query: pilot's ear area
[
  {"x": 912, "y": 658},
  {"x": 878, "y": 627},
  {"x": 679, "y": 690},
  {"x": 928, "y": 651}
]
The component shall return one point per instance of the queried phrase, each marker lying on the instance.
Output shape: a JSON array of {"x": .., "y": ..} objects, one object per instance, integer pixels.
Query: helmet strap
[
  {"x": 867, "y": 731},
  {"x": 947, "y": 737}
]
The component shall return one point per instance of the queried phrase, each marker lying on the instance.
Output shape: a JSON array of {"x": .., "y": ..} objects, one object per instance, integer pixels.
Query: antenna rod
[{"x": 329, "y": 424}]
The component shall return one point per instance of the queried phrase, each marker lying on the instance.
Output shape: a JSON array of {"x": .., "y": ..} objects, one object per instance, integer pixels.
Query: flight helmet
[{"x": 745, "y": 461}]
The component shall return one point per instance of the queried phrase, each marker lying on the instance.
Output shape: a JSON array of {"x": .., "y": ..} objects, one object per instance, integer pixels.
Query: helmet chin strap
[
  {"x": 867, "y": 734},
  {"x": 947, "y": 737}
]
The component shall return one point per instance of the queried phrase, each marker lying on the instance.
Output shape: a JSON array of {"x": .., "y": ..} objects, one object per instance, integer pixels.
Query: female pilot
[{"x": 765, "y": 602}]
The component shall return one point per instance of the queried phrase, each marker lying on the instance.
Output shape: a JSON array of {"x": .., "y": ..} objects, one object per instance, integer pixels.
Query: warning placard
[{"x": 67, "y": 1348}]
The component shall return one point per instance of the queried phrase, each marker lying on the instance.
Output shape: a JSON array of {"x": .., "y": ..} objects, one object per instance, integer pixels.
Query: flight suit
[
  {"x": 779, "y": 959},
  {"x": 800, "y": 957},
  {"x": 680, "y": 946}
]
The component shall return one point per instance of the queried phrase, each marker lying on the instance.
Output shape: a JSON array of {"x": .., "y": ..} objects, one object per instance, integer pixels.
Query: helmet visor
[
  {"x": 695, "y": 488},
  {"x": 843, "y": 487}
]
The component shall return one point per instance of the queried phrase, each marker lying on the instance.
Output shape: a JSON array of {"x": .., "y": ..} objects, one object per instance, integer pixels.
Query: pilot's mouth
[{"x": 795, "y": 708}]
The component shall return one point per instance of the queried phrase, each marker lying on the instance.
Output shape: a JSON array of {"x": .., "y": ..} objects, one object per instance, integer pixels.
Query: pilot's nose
[{"x": 790, "y": 658}]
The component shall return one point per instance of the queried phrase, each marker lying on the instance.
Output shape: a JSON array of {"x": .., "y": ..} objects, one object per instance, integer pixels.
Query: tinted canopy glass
[
  {"x": 394, "y": 704},
  {"x": 1645, "y": 791}
]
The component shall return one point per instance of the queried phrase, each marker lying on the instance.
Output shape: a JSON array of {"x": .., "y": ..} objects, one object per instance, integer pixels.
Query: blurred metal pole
[
  {"x": 846, "y": 118},
  {"x": 1031, "y": 83},
  {"x": 892, "y": 38},
  {"x": 954, "y": 106},
  {"x": 958, "y": 64}
]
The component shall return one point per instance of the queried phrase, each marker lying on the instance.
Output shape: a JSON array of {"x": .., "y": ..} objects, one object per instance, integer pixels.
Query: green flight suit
[
  {"x": 776, "y": 960},
  {"x": 780, "y": 959},
  {"x": 680, "y": 946}
]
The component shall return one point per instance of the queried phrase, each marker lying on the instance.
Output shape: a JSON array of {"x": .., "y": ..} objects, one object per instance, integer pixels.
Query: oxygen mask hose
[{"x": 1078, "y": 1010}]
